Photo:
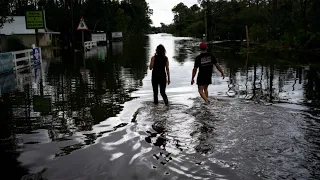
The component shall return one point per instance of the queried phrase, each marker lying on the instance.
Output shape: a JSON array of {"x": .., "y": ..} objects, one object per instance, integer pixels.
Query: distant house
[
  {"x": 18, "y": 28},
  {"x": 117, "y": 36}
]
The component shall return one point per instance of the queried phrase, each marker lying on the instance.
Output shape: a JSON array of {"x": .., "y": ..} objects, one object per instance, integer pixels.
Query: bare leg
[
  {"x": 155, "y": 91},
  {"x": 206, "y": 91},
  {"x": 163, "y": 92},
  {"x": 202, "y": 93}
]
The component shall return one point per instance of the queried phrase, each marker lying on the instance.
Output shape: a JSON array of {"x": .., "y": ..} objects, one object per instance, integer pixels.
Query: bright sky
[{"x": 162, "y": 9}]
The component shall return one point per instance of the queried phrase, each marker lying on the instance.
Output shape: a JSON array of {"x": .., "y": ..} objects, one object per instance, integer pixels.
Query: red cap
[{"x": 203, "y": 46}]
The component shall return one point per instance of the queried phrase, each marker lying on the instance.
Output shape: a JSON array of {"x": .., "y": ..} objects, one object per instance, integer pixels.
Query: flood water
[{"x": 95, "y": 119}]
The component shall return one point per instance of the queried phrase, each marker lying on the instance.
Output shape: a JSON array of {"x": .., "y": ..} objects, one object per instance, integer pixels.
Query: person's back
[
  {"x": 159, "y": 65},
  {"x": 205, "y": 62}
]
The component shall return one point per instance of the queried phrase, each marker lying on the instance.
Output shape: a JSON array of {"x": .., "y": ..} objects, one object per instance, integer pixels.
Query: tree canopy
[
  {"x": 289, "y": 22},
  {"x": 129, "y": 16}
]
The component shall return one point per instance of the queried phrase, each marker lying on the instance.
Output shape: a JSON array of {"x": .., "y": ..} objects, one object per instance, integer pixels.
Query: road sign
[
  {"x": 99, "y": 37},
  {"x": 116, "y": 34},
  {"x": 82, "y": 25},
  {"x": 34, "y": 20}
]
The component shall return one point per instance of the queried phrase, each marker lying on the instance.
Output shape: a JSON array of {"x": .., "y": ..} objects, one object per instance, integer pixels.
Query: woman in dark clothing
[{"x": 159, "y": 65}]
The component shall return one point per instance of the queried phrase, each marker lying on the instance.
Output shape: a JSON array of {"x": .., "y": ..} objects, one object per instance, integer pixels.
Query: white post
[
  {"x": 29, "y": 58},
  {"x": 41, "y": 67},
  {"x": 15, "y": 61},
  {"x": 15, "y": 67},
  {"x": 40, "y": 55}
]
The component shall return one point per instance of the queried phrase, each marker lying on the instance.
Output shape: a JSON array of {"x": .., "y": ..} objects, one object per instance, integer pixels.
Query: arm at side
[
  {"x": 168, "y": 71},
  {"x": 151, "y": 63},
  {"x": 220, "y": 69}
]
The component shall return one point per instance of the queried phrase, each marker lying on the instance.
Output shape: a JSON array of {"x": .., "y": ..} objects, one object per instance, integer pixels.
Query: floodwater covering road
[{"x": 263, "y": 122}]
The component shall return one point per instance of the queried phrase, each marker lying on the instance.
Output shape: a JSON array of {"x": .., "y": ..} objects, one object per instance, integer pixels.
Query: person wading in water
[
  {"x": 159, "y": 65},
  {"x": 204, "y": 62}
]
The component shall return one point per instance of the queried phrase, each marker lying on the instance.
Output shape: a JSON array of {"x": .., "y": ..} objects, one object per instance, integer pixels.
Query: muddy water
[{"x": 263, "y": 122}]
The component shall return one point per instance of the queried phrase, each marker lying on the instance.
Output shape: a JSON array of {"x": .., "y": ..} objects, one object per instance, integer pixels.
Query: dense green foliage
[
  {"x": 287, "y": 22},
  {"x": 4, "y": 11},
  {"x": 15, "y": 43},
  {"x": 129, "y": 16}
]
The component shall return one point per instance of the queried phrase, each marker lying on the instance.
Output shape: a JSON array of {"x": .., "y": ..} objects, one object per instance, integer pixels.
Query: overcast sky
[{"x": 162, "y": 9}]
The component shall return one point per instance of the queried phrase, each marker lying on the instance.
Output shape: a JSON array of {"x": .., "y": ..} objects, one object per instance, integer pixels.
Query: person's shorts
[{"x": 204, "y": 81}]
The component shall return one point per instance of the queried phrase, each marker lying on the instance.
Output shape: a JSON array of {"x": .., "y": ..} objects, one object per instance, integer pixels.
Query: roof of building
[{"x": 18, "y": 26}]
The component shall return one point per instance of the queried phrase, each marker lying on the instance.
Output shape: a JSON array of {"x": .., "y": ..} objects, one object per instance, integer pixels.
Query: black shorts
[{"x": 204, "y": 81}]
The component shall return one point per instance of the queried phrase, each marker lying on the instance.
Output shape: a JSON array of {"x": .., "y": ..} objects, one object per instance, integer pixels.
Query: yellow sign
[{"x": 34, "y": 20}]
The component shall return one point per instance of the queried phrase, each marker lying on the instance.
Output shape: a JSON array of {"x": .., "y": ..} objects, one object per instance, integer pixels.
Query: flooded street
[{"x": 95, "y": 119}]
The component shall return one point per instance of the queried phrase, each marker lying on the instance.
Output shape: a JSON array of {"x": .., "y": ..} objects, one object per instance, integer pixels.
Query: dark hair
[{"x": 160, "y": 51}]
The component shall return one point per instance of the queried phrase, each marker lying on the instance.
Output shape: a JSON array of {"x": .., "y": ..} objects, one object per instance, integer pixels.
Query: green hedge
[{"x": 15, "y": 43}]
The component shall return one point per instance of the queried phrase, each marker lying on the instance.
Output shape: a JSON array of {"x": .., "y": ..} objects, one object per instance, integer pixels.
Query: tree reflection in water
[
  {"x": 81, "y": 97},
  {"x": 273, "y": 78}
]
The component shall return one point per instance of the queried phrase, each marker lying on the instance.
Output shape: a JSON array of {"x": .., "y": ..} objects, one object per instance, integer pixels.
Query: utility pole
[
  {"x": 205, "y": 4},
  {"x": 247, "y": 36},
  {"x": 37, "y": 37},
  {"x": 206, "y": 24},
  {"x": 72, "y": 25},
  {"x": 36, "y": 30},
  {"x": 107, "y": 20}
]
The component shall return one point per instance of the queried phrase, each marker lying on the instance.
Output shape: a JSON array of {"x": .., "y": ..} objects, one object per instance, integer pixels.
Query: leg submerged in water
[
  {"x": 206, "y": 92},
  {"x": 203, "y": 94},
  {"x": 163, "y": 92},
  {"x": 155, "y": 91}
]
